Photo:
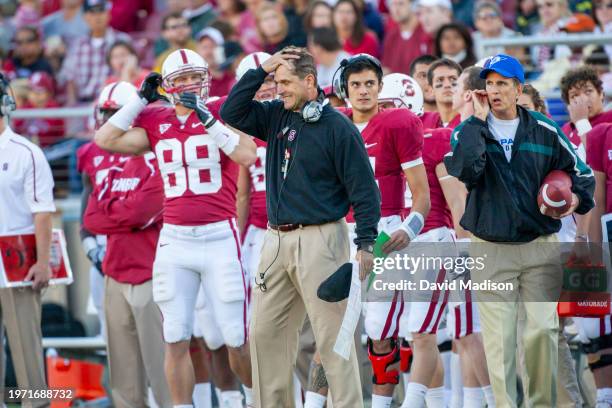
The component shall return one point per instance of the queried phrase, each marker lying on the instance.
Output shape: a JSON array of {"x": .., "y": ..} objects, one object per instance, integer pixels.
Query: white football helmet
[
  {"x": 111, "y": 99},
  {"x": 403, "y": 92},
  {"x": 251, "y": 61},
  {"x": 181, "y": 62}
]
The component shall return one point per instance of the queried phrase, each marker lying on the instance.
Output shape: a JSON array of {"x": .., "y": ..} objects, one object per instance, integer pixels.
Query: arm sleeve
[
  {"x": 583, "y": 180},
  {"x": 241, "y": 111},
  {"x": 355, "y": 173},
  {"x": 137, "y": 210},
  {"x": 467, "y": 159},
  {"x": 38, "y": 183}
]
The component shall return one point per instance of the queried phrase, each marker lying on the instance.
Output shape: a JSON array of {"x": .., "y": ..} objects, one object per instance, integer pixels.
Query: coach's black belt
[{"x": 287, "y": 227}]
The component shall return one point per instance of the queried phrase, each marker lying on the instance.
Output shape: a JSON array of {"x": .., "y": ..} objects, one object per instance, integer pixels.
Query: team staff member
[
  {"x": 502, "y": 154},
  {"x": 26, "y": 191},
  {"x": 316, "y": 167}
]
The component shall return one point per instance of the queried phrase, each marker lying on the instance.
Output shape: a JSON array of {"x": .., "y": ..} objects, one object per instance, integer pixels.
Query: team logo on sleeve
[
  {"x": 292, "y": 135},
  {"x": 164, "y": 127}
]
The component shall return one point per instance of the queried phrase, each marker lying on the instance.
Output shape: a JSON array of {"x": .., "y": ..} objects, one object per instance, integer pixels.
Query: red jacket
[{"x": 127, "y": 207}]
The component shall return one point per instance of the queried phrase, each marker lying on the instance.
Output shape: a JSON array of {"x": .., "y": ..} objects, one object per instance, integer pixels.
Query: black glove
[
  {"x": 148, "y": 89},
  {"x": 193, "y": 101},
  {"x": 96, "y": 256}
]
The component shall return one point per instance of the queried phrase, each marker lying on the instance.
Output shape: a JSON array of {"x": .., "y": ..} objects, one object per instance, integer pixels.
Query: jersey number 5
[{"x": 193, "y": 165}]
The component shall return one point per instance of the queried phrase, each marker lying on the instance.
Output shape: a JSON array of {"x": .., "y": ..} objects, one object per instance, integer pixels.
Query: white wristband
[
  {"x": 224, "y": 137},
  {"x": 413, "y": 224},
  {"x": 124, "y": 118},
  {"x": 583, "y": 126},
  {"x": 89, "y": 243}
]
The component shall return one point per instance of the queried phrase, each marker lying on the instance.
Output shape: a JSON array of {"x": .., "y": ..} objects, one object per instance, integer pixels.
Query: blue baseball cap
[{"x": 504, "y": 65}]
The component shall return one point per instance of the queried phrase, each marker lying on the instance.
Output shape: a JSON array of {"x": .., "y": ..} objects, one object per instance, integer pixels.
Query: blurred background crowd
[{"x": 60, "y": 53}]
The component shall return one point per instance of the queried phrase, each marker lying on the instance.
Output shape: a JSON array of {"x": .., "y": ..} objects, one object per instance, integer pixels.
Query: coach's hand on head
[{"x": 278, "y": 59}]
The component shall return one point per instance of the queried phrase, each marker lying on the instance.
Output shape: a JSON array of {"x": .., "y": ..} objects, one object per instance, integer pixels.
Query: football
[{"x": 555, "y": 195}]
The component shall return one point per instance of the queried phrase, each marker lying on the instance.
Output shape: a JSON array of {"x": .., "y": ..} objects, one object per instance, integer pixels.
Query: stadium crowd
[{"x": 66, "y": 53}]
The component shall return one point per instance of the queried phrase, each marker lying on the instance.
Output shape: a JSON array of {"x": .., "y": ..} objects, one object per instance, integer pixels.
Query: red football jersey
[
  {"x": 599, "y": 156},
  {"x": 95, "y": 162},
  {"x": 572, "y": 134},
  {"x": 199, "y": 179},
  {"x": 436, "y": 143},
  {"x": 258, "y": 215},
  {"x": 127, "y": 206},
  {"x": 394, "y": 141},
  {"x": 432, "y": 120}
]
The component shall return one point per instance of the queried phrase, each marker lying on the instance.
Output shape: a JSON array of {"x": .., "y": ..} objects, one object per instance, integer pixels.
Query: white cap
[
  {"x": 211, "y": 33},
  {"x": 432, "y": 3}
]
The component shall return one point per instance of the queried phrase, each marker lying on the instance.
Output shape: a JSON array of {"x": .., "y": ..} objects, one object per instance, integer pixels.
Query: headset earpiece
[
  {"x": 7, "y": 102},
  {"x": 312, "y": 110}
]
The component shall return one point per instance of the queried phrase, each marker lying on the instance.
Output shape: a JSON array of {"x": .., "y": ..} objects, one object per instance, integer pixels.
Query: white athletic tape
[{"x": 346, "y": 335}]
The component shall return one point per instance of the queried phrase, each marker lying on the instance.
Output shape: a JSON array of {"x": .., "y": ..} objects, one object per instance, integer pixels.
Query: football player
[
  {"x": 597, "y": 332},
  {"x": 93, "y": 164},
  {"x": 442, "y": 77},
  {"x": 199, "y": 246},
  {"x": 393, "y": 139}
]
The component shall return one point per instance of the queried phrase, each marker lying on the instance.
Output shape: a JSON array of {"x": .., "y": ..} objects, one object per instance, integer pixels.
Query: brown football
[{"x": 555, "y": 195}]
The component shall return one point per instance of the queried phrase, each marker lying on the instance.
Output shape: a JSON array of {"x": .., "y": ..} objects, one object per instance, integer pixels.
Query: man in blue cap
[{"x": 502, "y": 154}]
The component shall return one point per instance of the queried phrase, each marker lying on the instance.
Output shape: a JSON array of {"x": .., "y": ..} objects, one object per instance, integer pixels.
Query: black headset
[
  {"x": 340, "y": 84},
  {"x": 7, "y": 102},
  {"x": 312, "y": 110}
]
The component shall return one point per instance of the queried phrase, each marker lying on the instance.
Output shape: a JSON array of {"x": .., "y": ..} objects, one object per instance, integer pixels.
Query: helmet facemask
[{"x": 202, "y": 88}]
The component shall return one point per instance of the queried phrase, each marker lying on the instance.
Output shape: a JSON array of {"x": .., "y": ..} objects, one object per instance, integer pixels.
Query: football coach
[
  {"x": 316, "y": 167},
  {"x": 502, "y": 154}
]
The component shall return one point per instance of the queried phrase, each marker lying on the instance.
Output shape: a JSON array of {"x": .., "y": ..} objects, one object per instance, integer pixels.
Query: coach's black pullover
[{"x": 328, "y": 169}]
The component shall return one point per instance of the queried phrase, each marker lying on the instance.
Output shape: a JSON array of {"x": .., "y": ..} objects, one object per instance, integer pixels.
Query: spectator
[
  {"x": 28, "y": 54},
  {"x": 200, "y": 14},
  {"x": 418, "y": 71},
  {"x": 433, "y": 14},
  {"x": 273, "y": 29},
  {"x": 20, "y": 89},
  {"x": 325, "y": 47},
  {"x": 294, "y": 13},
  {"x": 348, "y": 21},
  {"x": 603, "y": 18},
  {"x": 28, "y": 13},
  {"x": 68, "y": 23},
  {"x": 527, "y": 18},
  {"x": 319, "y": 14},
  {"x": 453, "y": 41},
  {"x": 123, "y": 62},
  {"x": 229, "y": 12},
  {"x": 84, "y": 70},
  {"x": 530, "y": 99},
  {"x": 406, "y": 35},
  {"x": 177, "y": 32},
  {"x": 463, "y": 11},
  {"x": 249, "y": 38},
  {"x": 42, "y": 131},
  {"x": 372, "y": 18},
  {"x": 210, "y": 45},
  {"x": 130, "y": 15},
  {"x": 551, "y": 13},
  {"x": 155, "y": 21},
  {"x": 489, "y": 23},
  {"x": 7, "y": 26},
  {"x": 582, "y": 92}
]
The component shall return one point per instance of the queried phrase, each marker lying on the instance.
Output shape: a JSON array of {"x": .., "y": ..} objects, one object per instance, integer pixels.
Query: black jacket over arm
[
  {"x": 502, "y": 196},
  {"x": 328, "y": 170}
]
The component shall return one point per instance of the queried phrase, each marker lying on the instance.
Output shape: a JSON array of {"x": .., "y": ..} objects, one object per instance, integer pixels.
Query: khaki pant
[
  {"x": 135, "y": 345},
  {"x": 532, "y": 268},
  {"x": 307, "y": 256},
  {"x": 21, "y": 313}
]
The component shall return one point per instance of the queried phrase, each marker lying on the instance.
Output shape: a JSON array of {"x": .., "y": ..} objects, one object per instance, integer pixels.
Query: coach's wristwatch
[{"x": 369, "y": 247}]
